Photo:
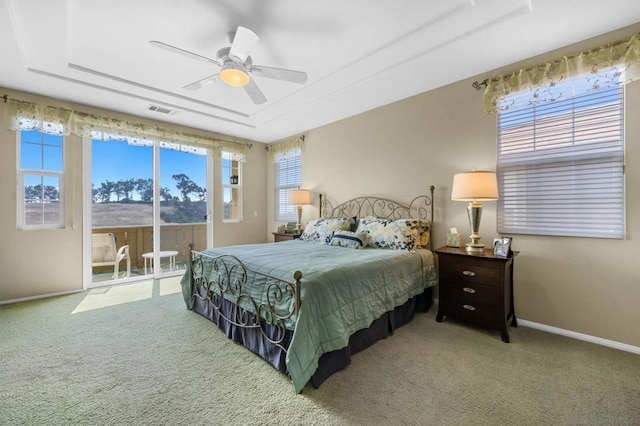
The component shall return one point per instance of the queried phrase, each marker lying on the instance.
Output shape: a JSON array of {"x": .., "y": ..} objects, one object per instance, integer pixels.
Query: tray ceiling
[{"x": 358, "y": 54}]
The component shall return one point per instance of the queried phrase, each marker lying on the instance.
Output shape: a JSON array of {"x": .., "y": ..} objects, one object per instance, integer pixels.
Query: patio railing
[{"x": 178, "y": 237}]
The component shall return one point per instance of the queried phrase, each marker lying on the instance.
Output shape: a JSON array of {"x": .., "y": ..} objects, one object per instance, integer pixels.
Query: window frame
[
  {"x": 21, "y": 175},
  {"x": 231, "y": 186},
  {"x": 562, "y": 166},
  {"x": 289, "y": 214}
]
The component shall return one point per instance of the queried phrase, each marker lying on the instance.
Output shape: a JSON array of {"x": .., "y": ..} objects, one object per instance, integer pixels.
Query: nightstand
[
  {"x": 277, "y": 236},
  {"x": 476, "y": 287}
]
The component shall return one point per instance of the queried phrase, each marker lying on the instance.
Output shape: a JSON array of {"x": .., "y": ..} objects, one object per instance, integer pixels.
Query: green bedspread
[{"x": 343, "y": 290}]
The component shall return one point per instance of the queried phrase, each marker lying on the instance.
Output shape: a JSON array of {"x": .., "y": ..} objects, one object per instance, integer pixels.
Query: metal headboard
[{"x": 420, "y": 207}]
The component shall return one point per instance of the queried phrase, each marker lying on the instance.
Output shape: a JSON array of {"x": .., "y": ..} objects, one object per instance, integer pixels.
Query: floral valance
[
  {"x": 616, "y": 63},
  {"x": 284, "y": 150},
  {"x": 29, "y": 116},
  {"x": 21, "y": 115}
]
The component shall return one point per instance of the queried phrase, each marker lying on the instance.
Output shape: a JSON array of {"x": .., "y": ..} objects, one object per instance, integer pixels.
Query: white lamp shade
[
  {"x": 475, "y": 186},
  {"x": 299, "y": 197}
]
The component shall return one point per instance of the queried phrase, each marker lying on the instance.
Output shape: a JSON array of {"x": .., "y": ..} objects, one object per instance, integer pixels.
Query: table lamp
[
  {"x": 474, "y": 186},
  {"x": 299, "y": 197}
]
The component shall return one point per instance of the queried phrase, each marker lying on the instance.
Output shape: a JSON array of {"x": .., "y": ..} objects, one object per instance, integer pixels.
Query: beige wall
[
  {"x": 584, "y": 285},
  {"x": 34, "y": 263},
  {"x": 254, "y": 203}
]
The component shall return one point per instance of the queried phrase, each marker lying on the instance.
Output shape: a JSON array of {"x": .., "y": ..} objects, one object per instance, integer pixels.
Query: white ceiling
[{"x": 358, "y": 54}]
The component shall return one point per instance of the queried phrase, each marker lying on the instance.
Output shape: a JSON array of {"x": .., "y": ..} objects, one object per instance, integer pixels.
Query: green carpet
[{"x": 133, "y": 355}]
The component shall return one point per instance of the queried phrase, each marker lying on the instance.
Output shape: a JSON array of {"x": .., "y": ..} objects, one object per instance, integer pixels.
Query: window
[
  {"x": 288, "y": 176},
  {"x": 40, "y": 180},
  {"x": 561, "y": 163},
  {"x": 231, "y": 188}
]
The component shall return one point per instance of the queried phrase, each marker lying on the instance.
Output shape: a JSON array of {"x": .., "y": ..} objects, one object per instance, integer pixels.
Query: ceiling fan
[{"x": 236, "y": 65}]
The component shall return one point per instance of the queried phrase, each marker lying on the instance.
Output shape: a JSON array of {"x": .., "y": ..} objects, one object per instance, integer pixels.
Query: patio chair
[{"x": 103, "y": 253}]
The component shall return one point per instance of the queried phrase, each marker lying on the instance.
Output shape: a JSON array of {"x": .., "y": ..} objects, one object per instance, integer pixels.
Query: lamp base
[
  {"x": 474, "y": 209},
  {"x": 299, "y": 224},
  {"x": 475, "y": 247}
]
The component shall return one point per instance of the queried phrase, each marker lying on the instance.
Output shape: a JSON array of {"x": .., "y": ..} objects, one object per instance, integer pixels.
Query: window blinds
[
  {"x": 561, "y": 165},
  {"x": 288, "y": 175}
]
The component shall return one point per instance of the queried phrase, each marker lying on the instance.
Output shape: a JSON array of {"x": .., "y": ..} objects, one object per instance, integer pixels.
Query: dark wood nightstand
[
  {"x": 277, "y": 236},
  {"x": 476, "y": 287}
]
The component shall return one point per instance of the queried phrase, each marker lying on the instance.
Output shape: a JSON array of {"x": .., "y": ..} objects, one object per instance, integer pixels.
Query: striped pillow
[{"x": 349, "y": 239}]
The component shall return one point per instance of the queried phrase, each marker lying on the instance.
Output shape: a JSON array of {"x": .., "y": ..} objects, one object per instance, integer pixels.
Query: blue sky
[{"x": 117, "y": 160}]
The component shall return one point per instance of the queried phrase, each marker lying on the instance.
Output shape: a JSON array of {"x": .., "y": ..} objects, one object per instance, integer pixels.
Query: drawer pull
[
  {"x": 469, "y": 307},
  {"x": 468, "y": 273},
  {"x": 469, "y": 290}
]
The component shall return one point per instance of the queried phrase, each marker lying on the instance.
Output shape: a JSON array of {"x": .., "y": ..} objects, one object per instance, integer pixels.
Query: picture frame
[
  {"x": 282, "y": 229},
  {"x": 290, "y": 228},
  {"x": 502, "y": 247}
]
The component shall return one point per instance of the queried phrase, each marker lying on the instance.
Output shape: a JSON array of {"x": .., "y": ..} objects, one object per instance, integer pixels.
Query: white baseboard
[
  {"x": 580, "y": 336},
  {"x": 574, "y": 335},
  {"x": 40, "y": 296}
]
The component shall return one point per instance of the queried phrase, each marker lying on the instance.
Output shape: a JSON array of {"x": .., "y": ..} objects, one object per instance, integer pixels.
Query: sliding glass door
[
  {"x": 148, "y": 206},
  {"x": 183, "y": 206}
]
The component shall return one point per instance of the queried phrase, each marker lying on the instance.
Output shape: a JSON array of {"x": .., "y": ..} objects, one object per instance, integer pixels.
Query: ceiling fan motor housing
[{"x": 225, "y": 55}]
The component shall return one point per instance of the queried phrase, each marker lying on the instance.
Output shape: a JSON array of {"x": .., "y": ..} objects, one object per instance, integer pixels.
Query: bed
[{"x": 305, "y": 306}]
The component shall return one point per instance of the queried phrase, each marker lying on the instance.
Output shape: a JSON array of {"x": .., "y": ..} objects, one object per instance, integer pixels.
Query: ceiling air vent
[{"x": 162, "y": 110}]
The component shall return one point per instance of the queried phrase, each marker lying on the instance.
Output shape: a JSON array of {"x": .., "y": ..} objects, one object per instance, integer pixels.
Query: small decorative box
[{"x": 454, "y": 239}]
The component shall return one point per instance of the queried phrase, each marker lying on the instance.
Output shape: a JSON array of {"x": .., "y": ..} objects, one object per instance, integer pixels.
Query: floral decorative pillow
[
  {"x": 349, "y": 239},
  {"x": 424, "y": 232},
  {"x": 320, "y": 230},
  {"x": 399, "y": 234}
]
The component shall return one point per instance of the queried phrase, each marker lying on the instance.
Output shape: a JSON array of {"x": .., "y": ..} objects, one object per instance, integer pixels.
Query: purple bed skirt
[{"x": 329, "y": 362}]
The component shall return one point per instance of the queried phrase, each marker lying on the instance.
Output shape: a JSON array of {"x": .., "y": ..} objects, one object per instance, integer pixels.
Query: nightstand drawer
[
  {"x": 471, "y": 293},
  {"x": 478, "y": 314},
  {"x": 278, "y": 237},
  {"x": 469, "y": 272}
]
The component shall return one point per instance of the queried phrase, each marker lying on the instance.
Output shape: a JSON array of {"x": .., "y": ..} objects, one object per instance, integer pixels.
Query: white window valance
[
  {"x": 237, "y": 151},
  {"x": 616, "y": 63},
  {"x": 21, "y": 115},
  {"x": 29, "y": 116},
  {"x": 286, "y": 149}
]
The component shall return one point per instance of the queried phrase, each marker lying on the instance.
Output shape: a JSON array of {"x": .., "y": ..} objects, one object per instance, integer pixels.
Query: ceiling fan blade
[
  {"x": 183, "y": 52},
  {"x": 243, "y": 41},
  {"x": 254, "y": 92},
  {"x": 280, "y": 74},
  {"x": 198, "y": 84}
]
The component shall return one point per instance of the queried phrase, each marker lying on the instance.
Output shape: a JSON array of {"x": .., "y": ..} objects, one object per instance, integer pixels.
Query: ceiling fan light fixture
[{"x": 234, "y": 75}]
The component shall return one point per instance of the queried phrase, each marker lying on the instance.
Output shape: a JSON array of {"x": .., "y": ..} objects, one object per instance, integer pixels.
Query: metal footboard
[{"x": 216, "y": 278}]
